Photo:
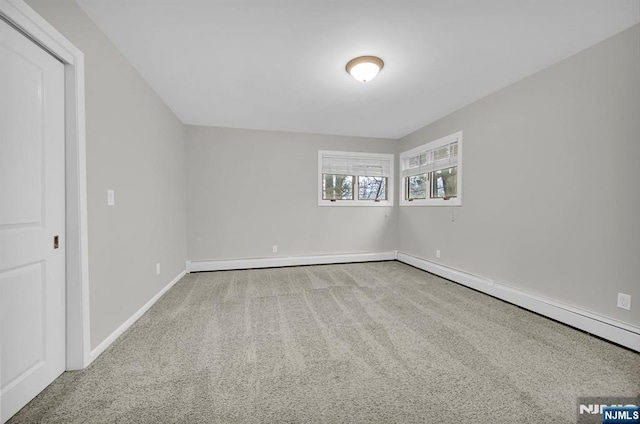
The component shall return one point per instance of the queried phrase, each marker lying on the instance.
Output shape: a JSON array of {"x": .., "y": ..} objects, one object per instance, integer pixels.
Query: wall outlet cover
[{"x": 624, "y": 301}]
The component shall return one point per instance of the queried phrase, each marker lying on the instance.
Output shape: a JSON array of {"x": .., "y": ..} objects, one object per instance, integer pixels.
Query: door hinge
[{"x": 55, "y": 242}]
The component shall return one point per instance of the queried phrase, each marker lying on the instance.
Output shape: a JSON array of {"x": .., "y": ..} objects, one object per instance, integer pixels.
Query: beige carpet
[{"x": 356, "y": 343}]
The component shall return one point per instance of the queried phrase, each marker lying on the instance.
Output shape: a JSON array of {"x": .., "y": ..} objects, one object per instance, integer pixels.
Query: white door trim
[{"x": 28, "y": 21}]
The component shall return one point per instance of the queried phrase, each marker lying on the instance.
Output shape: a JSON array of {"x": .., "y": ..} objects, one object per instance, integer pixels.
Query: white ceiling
[{"x": 279, "y": 64}]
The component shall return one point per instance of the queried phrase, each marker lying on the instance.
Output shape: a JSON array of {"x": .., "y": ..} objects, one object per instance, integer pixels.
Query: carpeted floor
[{"x": 356, "y": 343}]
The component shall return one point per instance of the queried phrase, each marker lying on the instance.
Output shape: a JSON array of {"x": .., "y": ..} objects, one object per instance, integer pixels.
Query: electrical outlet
[
  {"x": 275, "y": 248},
  {"x": 438, "y": 253},
  {"x": 157, "y": 269},
  {"x": 624, "y": 301}
]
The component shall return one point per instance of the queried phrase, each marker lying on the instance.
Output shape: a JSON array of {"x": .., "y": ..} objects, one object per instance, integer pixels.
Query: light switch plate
[{"x": 111, "y": 198}]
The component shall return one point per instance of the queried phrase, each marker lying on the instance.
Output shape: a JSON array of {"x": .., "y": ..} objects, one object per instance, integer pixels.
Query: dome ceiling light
[{"x": 364, "y": 68}]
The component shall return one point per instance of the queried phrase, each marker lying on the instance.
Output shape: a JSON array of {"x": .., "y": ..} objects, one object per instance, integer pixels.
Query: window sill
[
  {"x": 437, "y": 203},
  {"x": 351, "y": 203}
]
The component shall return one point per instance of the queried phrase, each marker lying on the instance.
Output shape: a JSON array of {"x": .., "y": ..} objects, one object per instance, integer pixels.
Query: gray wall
[
  {"x": 546, "y": 209},
  {"x": 551, "y": 170},
  {"x": 135, "y": 146},
  {"x": 249, "y": 190}
]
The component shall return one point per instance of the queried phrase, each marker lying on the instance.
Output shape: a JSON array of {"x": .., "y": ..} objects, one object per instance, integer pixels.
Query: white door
[{"x": 32, "y": 271}]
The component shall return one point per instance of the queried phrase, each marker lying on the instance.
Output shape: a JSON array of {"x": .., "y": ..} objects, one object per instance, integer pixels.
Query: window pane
[
  {"x": 416, "y": 187},
  {"x": 337, "y": 187},
  {"x": 444, "y": 183},
  {"x": 372, "y": 188}
]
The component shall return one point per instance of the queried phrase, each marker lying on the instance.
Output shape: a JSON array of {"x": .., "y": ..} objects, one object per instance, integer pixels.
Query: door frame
[{"x": 20, "y": 15}]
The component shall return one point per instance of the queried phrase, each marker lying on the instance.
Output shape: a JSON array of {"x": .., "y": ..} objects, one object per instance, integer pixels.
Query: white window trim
[
  {"x": 355, "y": 201},
  {"x": 456, "y": 201}
]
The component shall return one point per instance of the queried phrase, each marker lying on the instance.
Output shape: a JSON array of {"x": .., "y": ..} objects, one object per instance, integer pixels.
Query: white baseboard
[
  {"x": 280, "y": 261},
  {"x": 607, "y": 328},
  {"x": 128, "y": 323}
]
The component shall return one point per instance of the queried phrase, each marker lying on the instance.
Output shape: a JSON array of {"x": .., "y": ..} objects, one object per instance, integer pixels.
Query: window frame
[
  {"x": 390, "y": 157},
  {"x": 404, "y": 158}
]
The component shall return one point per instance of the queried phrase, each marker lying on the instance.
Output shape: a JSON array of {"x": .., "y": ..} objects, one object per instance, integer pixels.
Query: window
[
  {"x": 417, "y": 187},
  {"x": 337, "y": 187},
  {"x": 372, "y": 188},
  {"x": 432, "y": 173},
  {"x": 355, "y": 179}
]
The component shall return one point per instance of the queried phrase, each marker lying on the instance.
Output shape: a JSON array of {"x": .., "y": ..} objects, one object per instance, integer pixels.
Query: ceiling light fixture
[{"x": 364, "y": 68}]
